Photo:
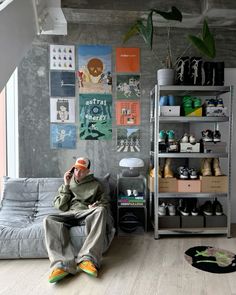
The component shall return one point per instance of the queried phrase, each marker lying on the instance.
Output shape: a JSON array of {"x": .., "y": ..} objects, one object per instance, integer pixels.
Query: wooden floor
[{"x": 133, "y": 265}]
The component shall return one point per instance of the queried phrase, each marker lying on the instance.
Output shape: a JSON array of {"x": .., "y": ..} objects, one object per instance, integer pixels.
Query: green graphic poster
[{"x": 95, "y": 116}]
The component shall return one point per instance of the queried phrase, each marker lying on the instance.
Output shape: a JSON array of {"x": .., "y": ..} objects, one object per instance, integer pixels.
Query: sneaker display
[
  {"x": 184, "y": 208},
  {"x": 192, "y": 173},
  {"x": 162, "y": 209},
  {"x": 216, "y": 167},
  {"x": 216, "y": 136},
  {"x": 163, "y": 100},
  {"x": 183, "y": 172},
  {"x": 171, "y": 209},
  {"x": 206, "y": 167},
  {"x": 187, "y": 102},
  {"x": 207, "y": 135},
  {"x": 219, "y": 102},
  {"x": 197, "y": 102},
  {"x": 207, "y": 208},
  {"x": 171, "y": 135},
  {"x": 192, "y": 139},
  {"x": 168, "y": 172},
  {"x": 184, "y": 139},
  {"x": 162, "y": 136},
  {"x": 217, "y": 208},
  {"x": 210, "y": 102},
  {"x": 88, "y": 267},
  {"x": 194, "y": 211}
]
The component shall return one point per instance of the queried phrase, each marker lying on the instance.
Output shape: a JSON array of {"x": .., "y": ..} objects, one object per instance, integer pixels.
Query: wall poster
[
  {"x": 94, "y": 69},
  {"x": 128, "y": 112},
  {"x": 62, "y": 57},
  {"x": 128, "y": 140},
  {"x": 62, "y": 110},
  {"x": 95, "y": 116},
  {"x": 62, "y": 84},
  {"x": 127, "y": 60},
  {"x": 63, "y": 136},
  {"x": 128, "y": 86}
]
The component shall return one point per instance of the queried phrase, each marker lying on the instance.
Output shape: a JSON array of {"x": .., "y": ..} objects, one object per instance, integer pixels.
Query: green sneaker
[
  {"x": 88, "y": 267},
  {"x": 197, "y": 102},
  {"x": 162, "y": 136},
  {"x": 187, "y": 102},
  {"x": 171, "y": 135},
  {"x": 57, "y": 274}
]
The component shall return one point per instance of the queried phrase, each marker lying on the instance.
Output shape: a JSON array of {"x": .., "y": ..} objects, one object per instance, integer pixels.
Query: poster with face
[
  {"x": 62, "y": 110},
  {"x": 95, "y": 116},
  {"x": 63, "y": 136},
  {"x": 94, "y": 69},
  {"x": 128, "y": 140}
]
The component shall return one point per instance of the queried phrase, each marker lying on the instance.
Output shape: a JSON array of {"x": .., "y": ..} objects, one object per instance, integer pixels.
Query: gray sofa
[{"x": 24, "y": 204}]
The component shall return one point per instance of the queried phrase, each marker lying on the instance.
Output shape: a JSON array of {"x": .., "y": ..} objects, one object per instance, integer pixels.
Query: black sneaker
[
  {"x": 216, "y": 136},
  {"x": 183, "y": 172},
  {"x": 184, "y": 208},
  {"x": 207, "y": 208},
  {"x": 217, "y": 208},
  {"x": 192, "y": 173},
  {"x": 207, "y": 135}
]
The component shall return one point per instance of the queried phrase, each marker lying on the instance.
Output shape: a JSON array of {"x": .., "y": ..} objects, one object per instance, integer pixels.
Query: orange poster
[
  {"x": 127, "y": 60},
  {"x": 128, "y": 112}
]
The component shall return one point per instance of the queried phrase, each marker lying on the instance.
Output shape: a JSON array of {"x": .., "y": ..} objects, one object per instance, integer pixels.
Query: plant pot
[{"x": 165, "y": 76}]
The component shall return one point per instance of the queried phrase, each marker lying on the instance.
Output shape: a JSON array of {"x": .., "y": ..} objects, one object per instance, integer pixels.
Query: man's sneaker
[
  {"x": 192, "y": 173},
  {"x": 197, "y": 102},
  {"x": 162, "y": 209},
  {"x": 171, "y": 135},
  {"x": 162, "y": 136},
  {"x": 163, "y": 100},
  {"x": 88, "y": 267},
  {"x": 171, "y": 209},
  {"x": 210, "y": 102},
  {"x": 184, "y": 139},
  {"x": 219, "y": 102},
  {"x": 183, "y": 172},
  {"x": 207, "y": 135},
  {"x": 184, "y": 210},
  {"x": 217, "y": 208},
  {"x": 207, "y": 208},
  {"x": 216, "y": 136},
  {"x": 194, "y": 211},
  {"x": 187, "y": 102},
  {"x": 56, "y": 275},
  {"x": 192, "y": 139}
]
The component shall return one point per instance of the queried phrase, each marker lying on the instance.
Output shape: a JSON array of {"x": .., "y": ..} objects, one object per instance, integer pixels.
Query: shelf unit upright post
[{"x": 155, "y": 119}]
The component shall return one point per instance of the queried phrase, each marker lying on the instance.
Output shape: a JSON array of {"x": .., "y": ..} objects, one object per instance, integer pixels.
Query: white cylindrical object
[{"x": 165, "y": 76}]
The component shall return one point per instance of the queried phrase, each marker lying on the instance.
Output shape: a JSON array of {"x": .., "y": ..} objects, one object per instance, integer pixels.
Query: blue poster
[
  {"x": 62, "y": 84},
  {"x": 63, "y": 136}
]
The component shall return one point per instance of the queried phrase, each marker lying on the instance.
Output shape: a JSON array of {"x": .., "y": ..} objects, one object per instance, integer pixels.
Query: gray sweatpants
[{"x": 58, "y": 242}]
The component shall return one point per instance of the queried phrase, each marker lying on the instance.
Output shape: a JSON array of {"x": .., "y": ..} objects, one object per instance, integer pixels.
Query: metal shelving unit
[{"x": 155, "y": 120}]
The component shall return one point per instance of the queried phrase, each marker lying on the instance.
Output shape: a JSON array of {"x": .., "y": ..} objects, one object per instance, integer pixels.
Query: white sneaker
[
  {"x": 171, "y": 209},
  {"x": 192, "y": 139},
  {"x": 184, "y": 138},
  {"x": 162, "y": 209}
]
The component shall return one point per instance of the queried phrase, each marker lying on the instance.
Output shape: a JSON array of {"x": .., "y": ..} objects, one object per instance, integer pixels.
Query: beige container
[
  {"x": 189, "y": 186},
  {"x": 166, "y": 185},
  {"x": 214, "y": 184}
]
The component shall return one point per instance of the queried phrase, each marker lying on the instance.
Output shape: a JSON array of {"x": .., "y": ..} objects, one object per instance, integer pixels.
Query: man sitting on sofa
[{"x": 83, "y": 199}]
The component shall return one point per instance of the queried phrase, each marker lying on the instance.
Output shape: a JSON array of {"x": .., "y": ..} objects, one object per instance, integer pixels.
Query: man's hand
[
  {"x": 93, "y": 205},
  {"x": 67, "y": 177}
]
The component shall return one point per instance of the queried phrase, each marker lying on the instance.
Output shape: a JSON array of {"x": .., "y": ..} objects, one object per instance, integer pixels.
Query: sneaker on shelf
[
  {"x": 184, "y": 139},
  {"x": 183, "y": 172},
  {"x": 194, "y": 211},
  {"x": 163, "y": 100},
  {"x": 192, "y": 139},
  {"x": 217, "y": 208},
  {"x": 192, "y": 173},
  {"x": 171, "y": 99},
  {"x": 162, "y": 209},
  {"x": 211, "y": 102},
  {"x": 184, "y": 210},
  {"x": 162, "y": 136},
  {"x": 216, "y": 136},
  {"x": 171, "y": 209},
  {"x": 171, "y": 135},
  {"x": 219, "y": 102},
  {"x": 187, "y": 102},
  {"x": 207, "y": 135},
  {"x": 197, "y": 102},
  {"x": 207, "y": 208}
]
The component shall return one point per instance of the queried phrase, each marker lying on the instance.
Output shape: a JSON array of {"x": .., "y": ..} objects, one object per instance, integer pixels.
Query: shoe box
[
  {"x": 215, "y": 221},
  {"x": 214, "y": 147},
  {"x": 170, "y": 111},
  {"x": 214, "y": 184},
  {"x": 188, "y": 186},
  {"x": 216, "y": 111},
  {"x": 169, "y": 221},
  {"x": 192, "y": 112},
  {"x": 166, "y": 185},
  {"x": 192, "y": 221},
  {"x": 186, "y": 147}
]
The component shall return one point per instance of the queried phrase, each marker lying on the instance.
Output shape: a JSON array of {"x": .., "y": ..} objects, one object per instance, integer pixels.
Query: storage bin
[
  {"x": 216, "y": 112},
  {"x": 214, "y": 147},
  {"x": 215, "y": 221},
  {"x": 193, "y": 112},
  {"x": 166, "y": 185},
  {"x": 214, "y": 184},
  {"x": 189, "y": 186},
  {"x": 169, "y": 221},
  {"x": 192, "y": 221},
  {"x": 170, "y": 111},
  {"x": 189, "y": 147}
]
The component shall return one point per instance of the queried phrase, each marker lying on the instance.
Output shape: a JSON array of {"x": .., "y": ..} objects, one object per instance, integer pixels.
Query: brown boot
[
  {"x": 206, "y": 167},
  {"x": 216, "y": 167},
  {"x": 160, "y": 172},
  {"x": 168, "y": 173}
]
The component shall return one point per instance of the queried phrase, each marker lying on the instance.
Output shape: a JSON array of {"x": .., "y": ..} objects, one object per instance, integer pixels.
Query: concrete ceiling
[{"x": 119, "y": 12}]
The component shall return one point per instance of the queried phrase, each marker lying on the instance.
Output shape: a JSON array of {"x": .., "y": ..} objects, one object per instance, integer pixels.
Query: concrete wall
[{"x": 36, "y": 157}]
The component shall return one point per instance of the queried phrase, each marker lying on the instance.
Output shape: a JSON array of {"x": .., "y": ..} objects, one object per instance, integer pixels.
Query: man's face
[{"x": 80, "y": 174}]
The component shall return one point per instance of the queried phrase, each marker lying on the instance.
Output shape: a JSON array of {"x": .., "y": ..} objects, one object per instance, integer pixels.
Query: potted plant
[{"x": 144, "y": 27}]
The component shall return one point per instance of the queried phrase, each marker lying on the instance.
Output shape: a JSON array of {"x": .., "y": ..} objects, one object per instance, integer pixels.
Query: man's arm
[{"x": 103, "y": 199}]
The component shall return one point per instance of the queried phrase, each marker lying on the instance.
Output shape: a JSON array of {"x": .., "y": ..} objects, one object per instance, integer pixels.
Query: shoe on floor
[
  {"x": 57, "y": 274},
  {"x": 88, "y": 267}
]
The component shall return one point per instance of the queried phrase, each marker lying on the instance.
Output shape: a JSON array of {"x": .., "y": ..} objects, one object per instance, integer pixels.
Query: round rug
[{"x": 211, "y": 259}]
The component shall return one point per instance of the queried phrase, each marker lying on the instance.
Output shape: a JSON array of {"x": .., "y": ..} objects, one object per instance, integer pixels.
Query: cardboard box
[
  {"x": 193, "y": 112},
  {"x": 214, "y": 147},
  {"x": 215, "y": 221},
  {"x": 170, "y": 111},
  {"x": 169, "y": 221},
  {"x": 189, "y": 186},
  {"x": 216, "y": 112},
  {"x": 192, "y": 221},
  {"x": 166, "y": 185},
  {"x": 189, "y": 147},
  {"x": 214, "y": 184}
]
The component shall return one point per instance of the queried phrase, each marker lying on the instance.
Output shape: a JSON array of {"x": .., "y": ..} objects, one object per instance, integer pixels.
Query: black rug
[{"x": 211, "y": 259}]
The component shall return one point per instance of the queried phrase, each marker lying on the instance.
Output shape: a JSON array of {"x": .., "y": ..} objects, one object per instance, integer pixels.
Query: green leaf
[
  {"x": 199, "y": 44},
  {"x": 174, "y": 14},
  {"x": 131, "y": 32},
  {"x": 208, "y": 39}
]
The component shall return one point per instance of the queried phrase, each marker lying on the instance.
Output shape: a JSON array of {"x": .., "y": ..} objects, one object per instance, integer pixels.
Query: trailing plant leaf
[{"x": 174, "y": 14}]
